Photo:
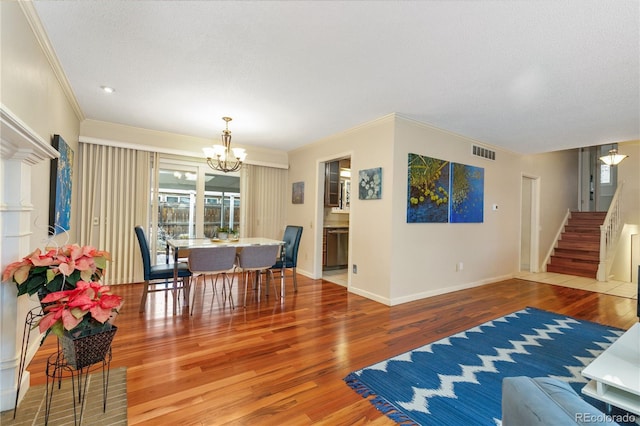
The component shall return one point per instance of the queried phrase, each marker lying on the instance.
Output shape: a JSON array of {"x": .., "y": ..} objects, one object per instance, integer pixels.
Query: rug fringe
[{"x": 381, "y": 404}]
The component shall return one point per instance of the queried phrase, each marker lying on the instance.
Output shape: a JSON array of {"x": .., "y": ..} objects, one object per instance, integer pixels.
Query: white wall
[
  {"x": 369, "y": 146},
  {"x": 35, "y": 100},
  {"x": 399, "y": 261},
  {"x": 31, "y": 90}
]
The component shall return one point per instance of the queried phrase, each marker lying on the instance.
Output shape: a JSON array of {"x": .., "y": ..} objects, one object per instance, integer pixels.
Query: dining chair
[
  {"x": 291, "y": 238},
  {"x": 256, "y": 259},
  {"x": 212, "y": 261},
  {"x": 160, "y": 277}
]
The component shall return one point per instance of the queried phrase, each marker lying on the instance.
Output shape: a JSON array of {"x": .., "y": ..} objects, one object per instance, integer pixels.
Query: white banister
[
  {"x": 555, "y": 240},
  {"x": 609, "y": 234}
]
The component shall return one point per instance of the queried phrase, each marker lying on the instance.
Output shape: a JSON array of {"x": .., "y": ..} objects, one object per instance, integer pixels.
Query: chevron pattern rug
[{"x": 458, "y": 380}]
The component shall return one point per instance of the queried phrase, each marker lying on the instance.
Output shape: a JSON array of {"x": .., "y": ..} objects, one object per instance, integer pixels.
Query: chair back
[
  {"x": 144, "y": 250},
  {"x": 212, "y": 259},
  {"x": 292, "y": 235},
  {"x": 257, "y": 257}
]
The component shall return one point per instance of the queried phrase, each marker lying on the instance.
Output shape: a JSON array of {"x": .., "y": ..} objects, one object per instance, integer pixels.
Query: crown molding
[{"x": 43, "y": 39}]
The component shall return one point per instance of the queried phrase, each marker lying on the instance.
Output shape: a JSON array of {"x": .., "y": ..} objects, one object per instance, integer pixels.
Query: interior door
[{"x": 598, "y": 182}]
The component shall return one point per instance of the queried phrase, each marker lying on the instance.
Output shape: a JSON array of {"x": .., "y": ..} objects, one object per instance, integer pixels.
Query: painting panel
[
  {"x": 60, "y": 188},
  {"x": 370, "y": 184},
  {"x": 428, "y": 190},
  {"x": 297, "y": 193},
  {"x": 467, "y": 194}
]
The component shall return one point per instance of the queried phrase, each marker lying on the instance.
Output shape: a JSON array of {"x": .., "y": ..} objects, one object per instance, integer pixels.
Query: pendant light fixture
[
  {"x": 612, "y": 158},
  {"x": 222, "y": 157}
]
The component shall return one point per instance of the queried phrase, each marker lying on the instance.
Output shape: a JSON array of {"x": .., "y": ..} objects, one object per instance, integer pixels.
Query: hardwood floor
[{"x": 283, "y": 363}]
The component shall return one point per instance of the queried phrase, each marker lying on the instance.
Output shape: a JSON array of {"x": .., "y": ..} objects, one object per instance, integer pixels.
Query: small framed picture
[
  {"x": 370, "y": 184},
  {"x": 297, "y": 193}
]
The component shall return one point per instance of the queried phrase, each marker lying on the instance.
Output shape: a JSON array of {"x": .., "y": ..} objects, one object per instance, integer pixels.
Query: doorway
[
  {"x": 336, "y": 188},
  {"x": 529, "y": 218},
  {"x": 598, "y": 181}
]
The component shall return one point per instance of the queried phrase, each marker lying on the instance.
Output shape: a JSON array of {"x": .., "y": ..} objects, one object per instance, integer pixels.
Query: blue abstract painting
[
  {"x": 467, "y": 194},
  {"x": 428, "y": 190},
  {"x": 60, "y": 186}
]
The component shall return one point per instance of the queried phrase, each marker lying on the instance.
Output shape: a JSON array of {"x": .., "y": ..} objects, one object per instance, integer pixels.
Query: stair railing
[
  {"x": 564, "y": 223},
  {"x": 609, "y": 235}
]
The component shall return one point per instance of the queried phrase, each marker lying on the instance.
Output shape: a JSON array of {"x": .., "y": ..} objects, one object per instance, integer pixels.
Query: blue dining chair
[
  {"x": 155, "y": 275},
  {"x": 291, "y": 238}
]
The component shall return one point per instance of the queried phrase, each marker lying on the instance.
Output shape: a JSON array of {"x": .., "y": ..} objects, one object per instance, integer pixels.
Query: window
[
  {"x": 191, "y": 202},
  {"x": 605, "y": 174}
]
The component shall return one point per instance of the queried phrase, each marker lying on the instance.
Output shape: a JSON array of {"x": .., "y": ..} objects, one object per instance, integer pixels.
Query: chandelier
[
  {"x": 223, "y": 157},
  {"x": 612, "y": 158}
]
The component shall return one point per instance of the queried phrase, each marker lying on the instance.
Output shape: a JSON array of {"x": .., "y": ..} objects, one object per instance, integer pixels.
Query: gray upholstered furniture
[{"x": 545, "y": 401}]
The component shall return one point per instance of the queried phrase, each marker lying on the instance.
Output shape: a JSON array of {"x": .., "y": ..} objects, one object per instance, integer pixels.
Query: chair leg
[
  {"x": 229, "y": 281},
  {"x": 270, "y": 278},
  {"x": 193, "y": 290},
  {"x": 295, "y": 279},
  {"x": 245, "y": 281},
  {"x": 143, "y": 301}
]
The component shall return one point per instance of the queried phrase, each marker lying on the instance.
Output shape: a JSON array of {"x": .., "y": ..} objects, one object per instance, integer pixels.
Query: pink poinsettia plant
[
  {"x": 56, "y": 269},
  {"x": 87, "y": 306}
]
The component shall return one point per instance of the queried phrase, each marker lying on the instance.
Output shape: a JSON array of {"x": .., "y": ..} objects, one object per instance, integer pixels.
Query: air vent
[{"x": 479, "y": 151}]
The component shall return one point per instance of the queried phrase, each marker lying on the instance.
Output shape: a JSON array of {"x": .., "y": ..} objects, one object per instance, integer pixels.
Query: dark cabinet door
[{"x": 332, "y": 184}]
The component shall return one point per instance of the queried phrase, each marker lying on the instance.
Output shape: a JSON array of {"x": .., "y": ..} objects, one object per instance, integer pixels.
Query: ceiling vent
[{"x": 479, "y": 151}]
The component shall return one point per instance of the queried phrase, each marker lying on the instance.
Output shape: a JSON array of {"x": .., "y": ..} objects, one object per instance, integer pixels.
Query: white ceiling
[{"x": 529, "y": 76}]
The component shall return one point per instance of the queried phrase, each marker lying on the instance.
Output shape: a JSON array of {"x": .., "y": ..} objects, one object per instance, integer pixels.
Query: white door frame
[{"x": 534, "y": 205}]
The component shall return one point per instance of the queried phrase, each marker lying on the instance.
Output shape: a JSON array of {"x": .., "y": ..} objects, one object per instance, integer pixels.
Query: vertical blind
[
  {"x": 114, "y": 194},
  {"x": 263, "y": 191}
]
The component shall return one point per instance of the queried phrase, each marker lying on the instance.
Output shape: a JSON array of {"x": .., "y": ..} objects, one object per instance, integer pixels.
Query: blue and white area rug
[{"x": 458, "y": 380}]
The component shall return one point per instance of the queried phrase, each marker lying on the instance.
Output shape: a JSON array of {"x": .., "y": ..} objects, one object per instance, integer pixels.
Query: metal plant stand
[
  {"x": 58, "y": 367},
  {"x": 32, "y": 318}
]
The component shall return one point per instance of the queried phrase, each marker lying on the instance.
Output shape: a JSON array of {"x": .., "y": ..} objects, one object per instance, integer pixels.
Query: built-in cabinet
[
  {"x": 337, "y": 186},
  {"x": 332, "y": 184}
]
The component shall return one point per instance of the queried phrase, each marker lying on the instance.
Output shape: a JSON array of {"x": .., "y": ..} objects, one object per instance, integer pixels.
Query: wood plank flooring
[{"x": 283, "y": 363}]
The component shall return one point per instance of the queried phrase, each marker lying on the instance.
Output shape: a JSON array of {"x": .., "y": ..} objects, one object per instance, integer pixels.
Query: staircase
[{"x": 578, "y": 249}]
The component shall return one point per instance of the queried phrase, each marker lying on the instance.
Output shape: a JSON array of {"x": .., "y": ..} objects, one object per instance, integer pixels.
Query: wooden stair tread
[{"x": 578, "y": 249}]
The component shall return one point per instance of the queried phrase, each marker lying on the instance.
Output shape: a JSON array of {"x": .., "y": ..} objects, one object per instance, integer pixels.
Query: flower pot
[
  {"x": 223, "y": 235},
  {"x": 88, "y": 347}
]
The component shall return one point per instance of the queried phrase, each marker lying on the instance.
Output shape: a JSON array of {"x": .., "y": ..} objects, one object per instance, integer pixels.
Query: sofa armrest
[{"x": 546, "y": 401}]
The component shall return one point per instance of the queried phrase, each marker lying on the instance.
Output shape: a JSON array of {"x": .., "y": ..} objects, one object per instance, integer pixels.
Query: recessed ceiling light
[{"x": 108, "y": 89}]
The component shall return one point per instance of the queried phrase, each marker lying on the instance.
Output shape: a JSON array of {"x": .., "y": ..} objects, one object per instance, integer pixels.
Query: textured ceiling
[{"x": 529, "y": 76}]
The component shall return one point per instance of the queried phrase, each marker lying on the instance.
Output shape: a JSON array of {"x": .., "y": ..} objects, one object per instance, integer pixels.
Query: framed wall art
[
  {"x": 467, "y": 194},
  {"x": 370, "y": 184},
  {"x": 297, "y": 193},
  {"x": 428, "y": 190},
  {"x": 60, "y": 188}
]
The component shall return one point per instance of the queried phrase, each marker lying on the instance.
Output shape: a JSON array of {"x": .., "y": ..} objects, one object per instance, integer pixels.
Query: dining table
[{"x": 179, "y": 248}]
